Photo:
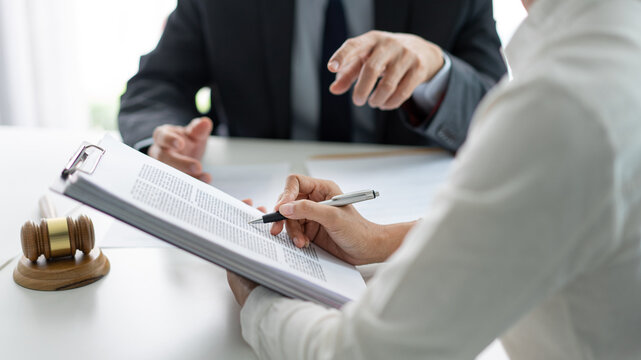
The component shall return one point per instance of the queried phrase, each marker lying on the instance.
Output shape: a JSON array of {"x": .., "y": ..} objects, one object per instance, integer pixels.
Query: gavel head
[{"x": 55, "y": 238}]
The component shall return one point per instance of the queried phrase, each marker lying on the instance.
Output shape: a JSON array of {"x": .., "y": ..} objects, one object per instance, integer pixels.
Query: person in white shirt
[{"x": 535, "y": 237}]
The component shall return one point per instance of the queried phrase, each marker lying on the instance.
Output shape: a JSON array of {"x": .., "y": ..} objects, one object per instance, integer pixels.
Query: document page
[
  {"x": 211, "y": 212},
  {"x": 406, "y": 182},
  {"x": 172, "y": 205},
  {"x": 262, "y": 183}
]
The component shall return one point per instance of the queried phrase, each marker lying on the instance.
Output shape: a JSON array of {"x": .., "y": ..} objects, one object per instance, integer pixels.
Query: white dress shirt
[{"x": 536, "y": 234}]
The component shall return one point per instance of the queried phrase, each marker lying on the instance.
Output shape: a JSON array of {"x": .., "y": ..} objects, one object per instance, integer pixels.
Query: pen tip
[{"x": 257, "y": 221}]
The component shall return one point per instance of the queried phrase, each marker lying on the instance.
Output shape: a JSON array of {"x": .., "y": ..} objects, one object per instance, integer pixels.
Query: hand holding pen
[
  {"x": 340, "y": 230},
  {"x": 338, "y": 200}
]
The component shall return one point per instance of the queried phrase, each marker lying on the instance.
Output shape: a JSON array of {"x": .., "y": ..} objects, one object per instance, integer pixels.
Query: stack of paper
[
  {"x": 207, "y": 222},
  {"x": 262, "y": 183},
  {"x": 406, "y": 181}
]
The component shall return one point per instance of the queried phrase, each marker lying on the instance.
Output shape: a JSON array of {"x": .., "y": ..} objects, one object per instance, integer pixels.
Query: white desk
[{"x": 155, "y": 303}]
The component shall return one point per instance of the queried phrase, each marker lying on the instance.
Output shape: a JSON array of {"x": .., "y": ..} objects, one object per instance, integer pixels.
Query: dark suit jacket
[{"x": 242, "y": 50}]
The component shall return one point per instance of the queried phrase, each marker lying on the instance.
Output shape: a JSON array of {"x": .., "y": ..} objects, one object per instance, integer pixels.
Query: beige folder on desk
[{"x": 202, "y": 220}]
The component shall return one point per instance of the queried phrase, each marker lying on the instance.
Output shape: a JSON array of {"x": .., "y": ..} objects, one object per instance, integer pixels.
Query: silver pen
[{"x": 338, "y": 200}]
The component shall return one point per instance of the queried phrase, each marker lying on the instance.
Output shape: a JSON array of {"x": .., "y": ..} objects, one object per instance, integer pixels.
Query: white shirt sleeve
[{"x": 508, "y": 229}]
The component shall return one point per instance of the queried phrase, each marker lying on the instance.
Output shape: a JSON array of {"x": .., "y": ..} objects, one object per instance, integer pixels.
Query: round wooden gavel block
[{"x": 56, "y": 238}]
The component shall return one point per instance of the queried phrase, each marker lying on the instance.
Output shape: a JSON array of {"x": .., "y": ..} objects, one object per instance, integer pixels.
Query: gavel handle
[{"x": 47, "y": 209}]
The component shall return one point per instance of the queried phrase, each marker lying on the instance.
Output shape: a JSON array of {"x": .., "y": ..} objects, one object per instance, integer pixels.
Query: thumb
[
  {"x": 289, "y": 195},
  {"x": 305, "y": 209},
  {"x": 200, "y": 128}
]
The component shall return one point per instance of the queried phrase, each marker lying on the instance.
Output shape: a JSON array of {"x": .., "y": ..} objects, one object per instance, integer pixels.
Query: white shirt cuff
[
  {"x": 143, "y": 143},
  {"x": 256, "y": 306},
  {"x": 428, "y": 94}
]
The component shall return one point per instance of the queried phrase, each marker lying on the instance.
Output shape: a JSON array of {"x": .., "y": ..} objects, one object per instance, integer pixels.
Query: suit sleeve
[
  {"x": 163, "y": 91},
  {"x": 477, "y": 65}
]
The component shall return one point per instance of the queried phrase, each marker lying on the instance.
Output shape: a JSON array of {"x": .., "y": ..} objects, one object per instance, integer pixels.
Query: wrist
[
  {"x": 390, "y": 237},
  {"x": 436, "y": 60}
]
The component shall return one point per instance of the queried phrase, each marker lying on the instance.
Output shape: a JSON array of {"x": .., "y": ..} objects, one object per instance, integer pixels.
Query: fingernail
[
  {"x": 297, "y": 242},
  {"x": 286, "y": 209},
  {"x": 333, "y": 65},
  {"x": 371, "y": 103},
  {"x": 176, "y": 144},
  {"x": 193, "y": 168},
  {"x": 359, "y": 101}
]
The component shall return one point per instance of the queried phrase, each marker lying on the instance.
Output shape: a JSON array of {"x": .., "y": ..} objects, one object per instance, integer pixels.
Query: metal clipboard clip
[{"x": 80, "y": 157}]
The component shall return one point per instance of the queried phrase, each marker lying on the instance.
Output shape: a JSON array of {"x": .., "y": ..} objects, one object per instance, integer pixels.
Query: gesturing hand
[
  {"x": 342, "y": 231},
  {"x": 401, "y": 61},
  {"x": 183, "y": 146}
]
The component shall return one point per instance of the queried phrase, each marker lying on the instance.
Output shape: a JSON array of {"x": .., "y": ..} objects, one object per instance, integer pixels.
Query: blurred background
[{"x": 65, "y": 63}]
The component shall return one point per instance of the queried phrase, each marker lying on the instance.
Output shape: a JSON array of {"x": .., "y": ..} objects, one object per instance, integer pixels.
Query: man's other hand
[{"x": 183, "y": 146}]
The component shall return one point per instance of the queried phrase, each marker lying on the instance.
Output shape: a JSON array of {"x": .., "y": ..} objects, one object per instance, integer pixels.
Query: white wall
[
  {"x": 111, "y": 37},
  {"x": 65, "y": 62},
  {"x": 508, "y": 15}
]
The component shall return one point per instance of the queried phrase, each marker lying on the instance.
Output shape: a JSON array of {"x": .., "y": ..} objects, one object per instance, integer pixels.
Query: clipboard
[
  {"x": 79, "y": 158},
  {"x": 203, "y": 220}
]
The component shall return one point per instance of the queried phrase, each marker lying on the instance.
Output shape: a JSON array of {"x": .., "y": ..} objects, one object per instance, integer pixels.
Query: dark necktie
[{"x": 335, "y": 120}]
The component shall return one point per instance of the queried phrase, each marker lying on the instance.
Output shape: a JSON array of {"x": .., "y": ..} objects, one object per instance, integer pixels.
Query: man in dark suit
[{"x": 269, "y": 67}]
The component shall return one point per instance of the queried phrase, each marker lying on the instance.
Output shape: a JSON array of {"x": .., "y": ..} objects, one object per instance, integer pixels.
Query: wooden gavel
[{"x": 57, "y": 237}]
